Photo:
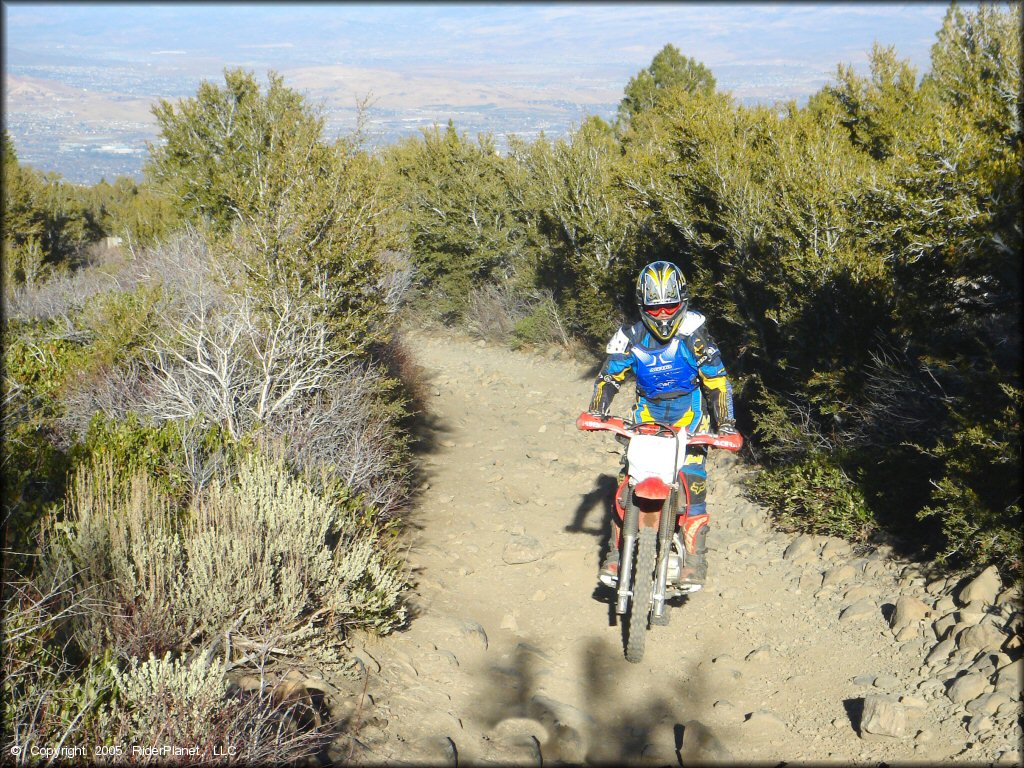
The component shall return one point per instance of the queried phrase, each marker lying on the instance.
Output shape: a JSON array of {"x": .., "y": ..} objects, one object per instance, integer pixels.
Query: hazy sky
[
  {"x": 83, "y": 76},
  {"x": 606, "y": 35}
]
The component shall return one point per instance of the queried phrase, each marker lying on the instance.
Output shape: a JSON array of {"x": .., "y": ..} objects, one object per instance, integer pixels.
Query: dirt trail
[{"x": 513, "y": 656}]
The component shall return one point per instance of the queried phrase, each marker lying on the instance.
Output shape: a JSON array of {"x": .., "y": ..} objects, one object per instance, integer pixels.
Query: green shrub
[
  {"x": 977, "y": 498},
  {"x": 814, "y": 496},
  {"x": 176, "y": 456},
  {"x": 542, "y": 326}
]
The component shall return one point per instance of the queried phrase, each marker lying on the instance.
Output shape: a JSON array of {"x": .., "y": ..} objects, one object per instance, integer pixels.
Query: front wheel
[{"x": 643, "y": 593}]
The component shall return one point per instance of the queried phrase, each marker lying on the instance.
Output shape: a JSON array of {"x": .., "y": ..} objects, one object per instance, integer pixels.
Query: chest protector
[{"x": 665, "y": 370}]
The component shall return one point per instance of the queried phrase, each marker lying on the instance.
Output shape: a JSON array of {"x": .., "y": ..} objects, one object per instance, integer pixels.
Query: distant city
[
  {"x": 80, "y": 79},
  {"x": 55, "y": 138}
]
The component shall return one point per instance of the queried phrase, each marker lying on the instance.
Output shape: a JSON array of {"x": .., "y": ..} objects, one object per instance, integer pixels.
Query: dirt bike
[{"x": 652, "y": 555}]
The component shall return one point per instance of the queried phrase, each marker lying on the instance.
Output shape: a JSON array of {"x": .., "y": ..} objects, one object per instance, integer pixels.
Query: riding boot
[
  {"x": 695, "y": 567},
  {"x": 609, "y": 573}
]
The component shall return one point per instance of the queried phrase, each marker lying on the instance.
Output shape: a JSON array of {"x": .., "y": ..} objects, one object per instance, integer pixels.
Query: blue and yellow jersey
[{"x": 672, "y": 377}]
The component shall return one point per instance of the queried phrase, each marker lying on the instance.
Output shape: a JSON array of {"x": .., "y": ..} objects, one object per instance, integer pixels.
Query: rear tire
[{"x": 643, "y": 592}]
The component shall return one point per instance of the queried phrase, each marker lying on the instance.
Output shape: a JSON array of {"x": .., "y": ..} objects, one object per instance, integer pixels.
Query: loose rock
[
  {"x": 985, "y": 586},
  {"x": 522, "y": 549},
  {"x": 909, "y": 611},
  {"x": 966, "y": 688},
  {"x": 883, "y": 717},
  {"x": 701, "y": 745},
  {"x": 804, "y": 549},
  {"x": 861, "y": 609}
]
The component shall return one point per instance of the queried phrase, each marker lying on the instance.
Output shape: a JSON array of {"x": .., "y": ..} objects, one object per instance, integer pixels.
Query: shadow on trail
[
  {"x": 624, "y": 718},
  {"x": 600, "y": 496}
]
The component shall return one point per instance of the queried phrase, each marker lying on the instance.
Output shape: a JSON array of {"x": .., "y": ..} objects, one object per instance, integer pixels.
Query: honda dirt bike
[{"x": 651, "y": 555}]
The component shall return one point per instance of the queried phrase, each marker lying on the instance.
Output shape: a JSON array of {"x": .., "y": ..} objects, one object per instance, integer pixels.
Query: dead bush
[
  {"x": 349, "y": 433},
  {"x": 503, "y": 314}
]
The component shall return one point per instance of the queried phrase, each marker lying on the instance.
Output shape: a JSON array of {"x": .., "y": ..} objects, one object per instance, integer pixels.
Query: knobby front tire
[{"x": 643, "y": 592}]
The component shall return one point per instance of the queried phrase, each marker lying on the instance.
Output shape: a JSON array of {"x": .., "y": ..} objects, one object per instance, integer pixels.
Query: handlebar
[{"x": 589, "y": 422}]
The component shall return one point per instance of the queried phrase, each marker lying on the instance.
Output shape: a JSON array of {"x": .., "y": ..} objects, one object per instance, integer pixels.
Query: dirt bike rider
[{"x": 678, "y": 369}]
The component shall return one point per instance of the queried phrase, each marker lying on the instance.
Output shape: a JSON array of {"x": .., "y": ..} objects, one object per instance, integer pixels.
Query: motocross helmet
[{"x": 662, "y": 296}]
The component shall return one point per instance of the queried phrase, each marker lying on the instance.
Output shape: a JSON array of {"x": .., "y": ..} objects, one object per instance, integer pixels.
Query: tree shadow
[{"x": 606, "y": 729}]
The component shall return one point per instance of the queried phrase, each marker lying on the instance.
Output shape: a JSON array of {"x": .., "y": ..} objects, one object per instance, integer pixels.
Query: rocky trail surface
[{"x": 798, "y": 649}]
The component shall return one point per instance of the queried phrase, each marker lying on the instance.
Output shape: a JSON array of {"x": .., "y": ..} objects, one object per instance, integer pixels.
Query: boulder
[
  {"x": 838, "y": 575},
  {"x": 762, "y": 723},
  {"x": 762, "y": 653},
  {"x": 979, "y": 725},
  {"x": 475, "y": 632},
  {"x": 988, "y": 703},
  {"x": 700, "y": 745},
  {"x": 944, "y": 605},
  {"x": 1011, "y": 596},
  {"x": 862, "y": 609},
  {"x": 856, "y": 593},
  {"x": 885, "y": 680},
  {"x": 913, "y": 703},
  {"x": 657, "y": 754},
  {"x": 515, "y": 751},
  {"x": 1008, "y": 679},
  {"x": 909, "y": 611},
  {"x": 985, "y": 586},
  {"x": 434, "y": 750},
  {"x": 983, "y": 637},
  {"x": 943, "y": 624},
  {"x": 883, "y": 717},
  {"x": 908, "y": 633},
  {"x": 984, "y": 664},
  {"x": 835, "y": 548},
  {"x": 809, "y": 580},
  {"x": 804, "y": 549},
  {"x": 967, "y": 688},
  {"x": 876, "y": 568}
]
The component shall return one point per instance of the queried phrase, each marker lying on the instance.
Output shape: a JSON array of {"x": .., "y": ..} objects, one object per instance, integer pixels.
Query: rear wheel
[{"x": 643, "y": 591}]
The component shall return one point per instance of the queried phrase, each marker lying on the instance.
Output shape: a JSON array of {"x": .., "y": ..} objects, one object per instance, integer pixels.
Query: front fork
[
  {"x": 666, "y": 528},
  {"x": 630, "y": 529}
]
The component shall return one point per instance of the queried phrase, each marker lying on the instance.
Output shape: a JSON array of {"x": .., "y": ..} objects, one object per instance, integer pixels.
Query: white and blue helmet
[{"x": 662, "y": 297}]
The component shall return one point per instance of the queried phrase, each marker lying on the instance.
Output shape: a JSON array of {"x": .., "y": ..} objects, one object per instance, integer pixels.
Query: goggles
[{"x": 663, "y": 311}]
